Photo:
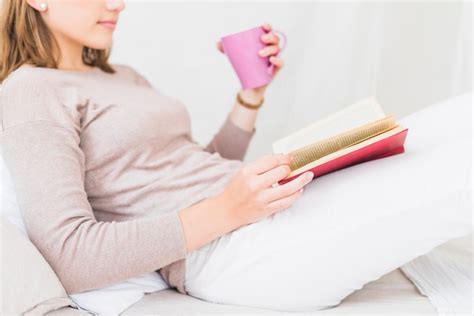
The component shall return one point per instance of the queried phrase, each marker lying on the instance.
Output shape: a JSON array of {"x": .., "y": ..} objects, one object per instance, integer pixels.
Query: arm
[
  {"x": 47, "y": 166},
  {"x": 40, "y": 142},
  {"x": 235, "y": 134}
]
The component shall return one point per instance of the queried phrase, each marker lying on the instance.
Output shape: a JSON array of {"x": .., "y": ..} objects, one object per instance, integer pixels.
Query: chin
[{"x": 100, "y": 44}]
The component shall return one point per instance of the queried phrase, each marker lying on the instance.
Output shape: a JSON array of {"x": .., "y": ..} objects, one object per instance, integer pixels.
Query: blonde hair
[{"x": 25, "y": 38}]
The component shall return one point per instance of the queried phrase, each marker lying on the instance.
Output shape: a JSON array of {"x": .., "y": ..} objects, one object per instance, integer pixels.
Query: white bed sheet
[{"x": 393, "y": 293}]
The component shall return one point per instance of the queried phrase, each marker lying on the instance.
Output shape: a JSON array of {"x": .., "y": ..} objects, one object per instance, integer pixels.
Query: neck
[{"x": 70, "y": 57}]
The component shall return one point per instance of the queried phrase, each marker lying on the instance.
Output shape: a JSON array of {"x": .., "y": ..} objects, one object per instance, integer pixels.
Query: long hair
[{"x": 25, "y": 38}]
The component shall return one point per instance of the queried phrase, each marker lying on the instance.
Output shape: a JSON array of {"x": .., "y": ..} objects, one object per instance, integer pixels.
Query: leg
[{"x": 345, "y": 230}]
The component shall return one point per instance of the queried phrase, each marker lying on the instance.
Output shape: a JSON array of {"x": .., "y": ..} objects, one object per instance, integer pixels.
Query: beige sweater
[{"x": 101, "y": 164}]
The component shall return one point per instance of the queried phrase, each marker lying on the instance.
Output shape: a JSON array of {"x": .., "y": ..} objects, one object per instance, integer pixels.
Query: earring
[{"x": 42, "y": 6}]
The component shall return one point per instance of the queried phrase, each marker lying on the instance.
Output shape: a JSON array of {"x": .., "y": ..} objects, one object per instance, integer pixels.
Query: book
[{"x": 358, "y": 133}]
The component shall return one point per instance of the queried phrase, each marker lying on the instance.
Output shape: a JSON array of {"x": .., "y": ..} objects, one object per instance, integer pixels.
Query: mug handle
[{"x": 282, "y": 37}]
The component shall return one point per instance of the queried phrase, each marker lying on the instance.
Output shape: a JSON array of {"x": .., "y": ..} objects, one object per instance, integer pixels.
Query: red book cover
[{"x": 382, "y": 148}]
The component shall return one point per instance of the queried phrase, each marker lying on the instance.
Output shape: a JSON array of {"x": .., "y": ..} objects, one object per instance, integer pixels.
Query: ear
[{"x": 40, "y": 5}]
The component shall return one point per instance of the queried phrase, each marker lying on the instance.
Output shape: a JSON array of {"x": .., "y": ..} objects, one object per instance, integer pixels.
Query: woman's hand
[
  {"x": 271, "y": 50},
  {"x": 250, "y": 196}
]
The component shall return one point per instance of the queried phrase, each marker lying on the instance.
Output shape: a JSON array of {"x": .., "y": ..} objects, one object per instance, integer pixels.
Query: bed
[
  {"x": 392, "y": 293},
  {"x": 31, "y": 282}
]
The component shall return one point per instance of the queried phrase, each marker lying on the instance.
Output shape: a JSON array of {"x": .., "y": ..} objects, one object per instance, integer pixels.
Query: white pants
[{"x": 347, "y": 229}]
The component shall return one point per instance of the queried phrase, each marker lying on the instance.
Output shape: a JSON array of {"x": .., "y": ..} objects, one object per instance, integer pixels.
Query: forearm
[
  {"x": 233, "y": 138},
  {"x": 205, "y": 221},
  {"x": 244, "y": 117}
]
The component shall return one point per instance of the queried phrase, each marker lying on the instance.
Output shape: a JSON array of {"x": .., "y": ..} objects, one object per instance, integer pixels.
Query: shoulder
[
  {"x": 28, "y": 78},
  {"x": 124, "y": 69},
  {"x": 31, "y": 94},
  {"x": 24, "y": 75},
  {"x": 131, "y": 73}
]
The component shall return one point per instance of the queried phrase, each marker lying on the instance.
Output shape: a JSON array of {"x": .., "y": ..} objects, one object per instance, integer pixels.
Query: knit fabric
[{"x": 101, "y": 164}]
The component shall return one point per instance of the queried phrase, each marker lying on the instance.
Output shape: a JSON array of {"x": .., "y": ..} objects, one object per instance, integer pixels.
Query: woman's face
[{"x": 86, "y": 22}]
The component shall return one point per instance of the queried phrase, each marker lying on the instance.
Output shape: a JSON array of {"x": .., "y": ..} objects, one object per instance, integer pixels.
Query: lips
[{"x": 108, "y": 23}]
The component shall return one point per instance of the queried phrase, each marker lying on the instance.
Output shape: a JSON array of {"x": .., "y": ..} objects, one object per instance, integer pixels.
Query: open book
[{"x": 355, "y": 134}]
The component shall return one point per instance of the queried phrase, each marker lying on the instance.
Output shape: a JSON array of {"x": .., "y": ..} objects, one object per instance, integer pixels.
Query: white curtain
[{"x": 408, "y": 54}]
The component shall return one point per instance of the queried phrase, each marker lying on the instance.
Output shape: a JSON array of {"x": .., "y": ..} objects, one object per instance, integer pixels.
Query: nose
[{"x": 115, "y": 5}]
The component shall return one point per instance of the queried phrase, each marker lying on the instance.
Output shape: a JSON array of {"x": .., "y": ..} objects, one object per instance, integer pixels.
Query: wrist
[
  {"x": 251, "y": 96},
  {"x": 205, "y": 221},
  {"x": 227, "y": 214}
]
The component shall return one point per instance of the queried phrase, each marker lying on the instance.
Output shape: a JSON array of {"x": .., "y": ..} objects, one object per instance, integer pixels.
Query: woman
[
  {"x": 112, "y": 185},
  {"x": 74, "y": 124}
]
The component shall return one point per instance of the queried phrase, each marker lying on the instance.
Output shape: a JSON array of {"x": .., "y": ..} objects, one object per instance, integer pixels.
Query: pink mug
[{"x": 242, "y": 50}]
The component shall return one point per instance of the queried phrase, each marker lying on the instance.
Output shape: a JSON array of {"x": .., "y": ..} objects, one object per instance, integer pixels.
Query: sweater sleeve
[
  {"x": 47, "y": 167},
  {"x": 230, "y": 141}
]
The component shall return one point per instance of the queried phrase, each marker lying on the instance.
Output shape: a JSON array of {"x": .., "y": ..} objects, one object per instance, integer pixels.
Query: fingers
[
  {"x": 267, "y": 27},
  {"x": 270, "y": 38},
  {"x": 266, "y": 163},
  {"x": 283, "y": 203},
  {"x": 274, "y": 175},
  {"x": 219, "y": 46},
  {"x": 269, "y": 50},
  {"x": 277, "y": 61},
  {"x": 289, "y": 188}
]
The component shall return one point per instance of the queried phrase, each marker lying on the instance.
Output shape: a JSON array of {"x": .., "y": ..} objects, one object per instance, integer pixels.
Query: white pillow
[
  {"x": 110, "y": 300},
  {"x": 445, "y": 276},
  {"x": 445, "y": 273},
  {"x": 349, "y": 227},
  {"x": 29, "y": 284},
  {"x": 440, "y": 123}
]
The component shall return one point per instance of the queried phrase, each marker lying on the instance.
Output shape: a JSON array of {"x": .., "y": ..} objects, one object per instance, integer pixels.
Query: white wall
[{"x": 408, "y": 54}]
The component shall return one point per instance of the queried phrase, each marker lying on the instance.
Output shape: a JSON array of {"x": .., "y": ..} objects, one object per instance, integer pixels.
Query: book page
[
  {"x": 317, "y": 150},
  {"x": 360, "y": 113},
  {"x": 347, "y": 150}
]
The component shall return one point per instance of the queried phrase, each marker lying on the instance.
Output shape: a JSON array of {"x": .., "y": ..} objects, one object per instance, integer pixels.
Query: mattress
[{"x": 392, "y": 293}]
